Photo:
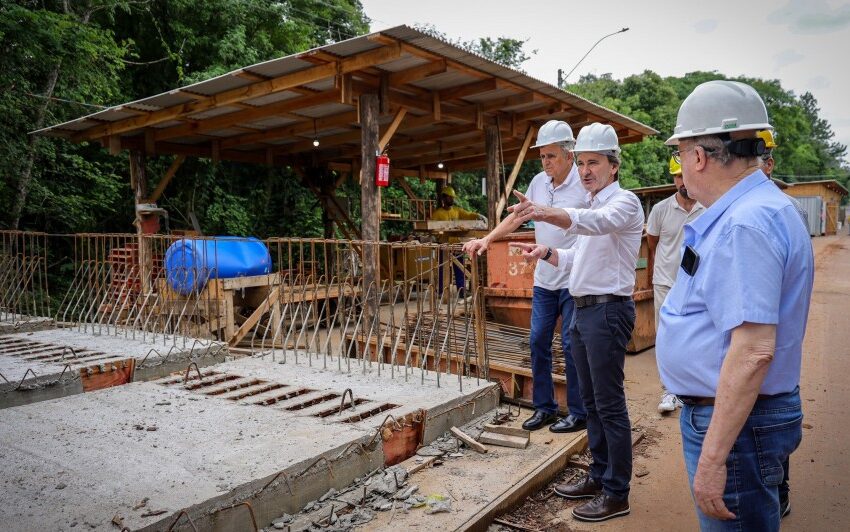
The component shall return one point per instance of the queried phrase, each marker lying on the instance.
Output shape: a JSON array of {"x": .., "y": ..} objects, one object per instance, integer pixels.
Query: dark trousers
[
  {"x": 600, "y": 334},
  {"x": 546, "y": 307}
]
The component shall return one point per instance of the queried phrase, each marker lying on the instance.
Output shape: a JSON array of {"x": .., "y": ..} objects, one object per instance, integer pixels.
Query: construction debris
[
  {"x": 505, "y": 436},
  {"x": 466, "y": 439}
]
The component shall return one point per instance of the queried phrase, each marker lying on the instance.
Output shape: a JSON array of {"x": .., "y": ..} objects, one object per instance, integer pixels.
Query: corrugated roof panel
[
  {"x": 406, "y": 61},
  {"x": 278, "y": 67},
  {"x": 119, "y": 113},
  {"x": 484, "y": 97},
  {"x": 321, "y": 85},
  {"x": 228, "y": 132},
  {"x": 167, "y": 99},
  {"x": 215, "y": 111},
  {"x": 270, "y": 122},
  {"x": 220, "y": 84},
  {"x": 170, "y": 123},
  {"x": 271, "y": 98},
  {"x": 351, "y": 47},
  {"x": 446, "y": 80},
  {"x": 327, "y": 109}
]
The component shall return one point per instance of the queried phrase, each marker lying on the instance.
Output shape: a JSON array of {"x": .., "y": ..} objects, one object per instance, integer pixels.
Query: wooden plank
[
  {"x": 237, "y": 283},
  {"x": 509, "y": 186},
  {"x": 469, "y": 89},
  {"x": 281, "y": 83},
  {"x": 254, "y": 317},
  {"x": 491, "y": 149},
  {"x": 388, "y": 134},
  {"x": 504, "y": 440},
  {"x": 504, "y": 429},
  {"x": 166, "y": 179},
  {"x": 466, "y": 439},
  {"x": 531, "y": 483}
]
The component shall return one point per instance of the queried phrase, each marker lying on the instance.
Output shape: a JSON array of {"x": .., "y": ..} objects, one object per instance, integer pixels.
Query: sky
[{"x": 803, "y": 43}]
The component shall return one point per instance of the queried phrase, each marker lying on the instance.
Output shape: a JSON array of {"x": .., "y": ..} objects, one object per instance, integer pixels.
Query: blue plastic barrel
[{"x": 189, "y": 263}]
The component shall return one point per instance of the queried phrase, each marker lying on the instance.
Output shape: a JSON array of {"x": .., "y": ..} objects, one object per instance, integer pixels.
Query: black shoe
[
  {"x": 784, "y": 506},
  {"x": 568, "y": 424},
  {"x": 586, "y": 488},
  {"x": 539, "y": 420},
  {"x": 601, "y": 508}
]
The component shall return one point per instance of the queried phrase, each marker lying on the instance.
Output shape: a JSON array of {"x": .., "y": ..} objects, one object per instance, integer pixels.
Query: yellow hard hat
[
  {"x": 449, "y": 191},
  {"x": 675, "y": 166},
  {"x": 767, "y": 136}
]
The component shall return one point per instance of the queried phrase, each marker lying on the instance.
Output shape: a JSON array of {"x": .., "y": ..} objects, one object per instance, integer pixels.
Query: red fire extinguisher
[{"x": 382, "y": 170}]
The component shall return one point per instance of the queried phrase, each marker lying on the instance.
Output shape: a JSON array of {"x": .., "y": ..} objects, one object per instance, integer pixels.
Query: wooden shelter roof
[{"x": 436, "y": 99}]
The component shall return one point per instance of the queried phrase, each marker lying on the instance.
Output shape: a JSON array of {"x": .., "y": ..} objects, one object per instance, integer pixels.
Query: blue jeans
[
  {"x": 546, "y": 307},
  {"x": 600, "y": 334},
  {"x": 756, "y": 466}
]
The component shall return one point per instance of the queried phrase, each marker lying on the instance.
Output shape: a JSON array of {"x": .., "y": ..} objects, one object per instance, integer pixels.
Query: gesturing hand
[
  {"x": 530, "y": 252},
  {"x": 526, "y": 210}
]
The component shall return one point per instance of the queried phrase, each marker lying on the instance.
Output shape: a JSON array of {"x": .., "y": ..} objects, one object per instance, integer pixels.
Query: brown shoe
[
  {"x": 586, "y": 488},
  {"x": 602, "y": 507}
]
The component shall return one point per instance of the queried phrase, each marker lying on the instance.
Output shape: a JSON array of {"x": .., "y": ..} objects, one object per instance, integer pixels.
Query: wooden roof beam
[
  {"x": 470, "y": 89},
  {"x": 417, "y": 73},
  {"x": 202, "y": 150},
  {"x": 281, "y": 83},
  {"x": 460, "y": 153}
]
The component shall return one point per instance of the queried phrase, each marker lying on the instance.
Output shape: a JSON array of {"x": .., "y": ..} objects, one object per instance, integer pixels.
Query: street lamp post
[{"x": 562, "y": 78}]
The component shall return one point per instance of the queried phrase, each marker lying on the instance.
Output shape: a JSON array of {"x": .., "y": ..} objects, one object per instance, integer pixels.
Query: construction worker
[
  {"x": 730, "y": 340},
  {"x": 449, "y": 212},
  {"x": 557, "y": 185},
  {"x": 602, "y": 280},
  {"x": 665, "y": 229}
]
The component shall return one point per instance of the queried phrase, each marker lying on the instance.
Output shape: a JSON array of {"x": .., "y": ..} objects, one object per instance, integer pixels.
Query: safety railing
[{"x": 24, "y": 295}]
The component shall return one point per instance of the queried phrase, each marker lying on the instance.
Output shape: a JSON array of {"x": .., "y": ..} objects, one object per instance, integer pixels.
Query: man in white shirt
[
  {"x": 665, "y": 230},
  {"x": 558, "y": 185},
  {"x": 602, "y": 277}
]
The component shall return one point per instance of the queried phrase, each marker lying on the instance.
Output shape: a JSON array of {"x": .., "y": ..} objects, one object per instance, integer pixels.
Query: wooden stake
[{"x": 465, "y": 438}]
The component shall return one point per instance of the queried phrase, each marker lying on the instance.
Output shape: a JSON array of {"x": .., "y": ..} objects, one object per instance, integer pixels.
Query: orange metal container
[{"x": 510, "y": 281}]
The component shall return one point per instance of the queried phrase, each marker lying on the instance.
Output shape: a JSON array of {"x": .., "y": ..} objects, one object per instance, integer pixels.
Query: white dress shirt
[
  {"x": 604, "y": 257},
  {"x": 570, "y": 193}
]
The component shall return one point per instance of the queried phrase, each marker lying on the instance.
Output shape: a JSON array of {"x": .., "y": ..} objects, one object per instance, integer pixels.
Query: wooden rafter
[
  {"x": 391, "y": 129},
  {"x": 166, "y": 179}
]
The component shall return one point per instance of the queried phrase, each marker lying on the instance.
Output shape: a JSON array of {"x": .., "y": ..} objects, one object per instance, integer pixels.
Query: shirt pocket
[{"x": 680, "y": 298}]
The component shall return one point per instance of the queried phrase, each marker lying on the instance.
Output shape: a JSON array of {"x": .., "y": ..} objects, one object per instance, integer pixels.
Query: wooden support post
[
  {"x": 370, "y": 201},
  {"x": 139, "y": 182},
  {"x": 491, "y": 148},
  {"x": 436, "y": 110},
  {"x": 509, "y": 186},
  {"x": 384, "y": 93}
]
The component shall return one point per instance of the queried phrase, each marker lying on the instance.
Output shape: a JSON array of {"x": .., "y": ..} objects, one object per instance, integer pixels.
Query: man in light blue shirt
[{"x": 730, "y": 338}]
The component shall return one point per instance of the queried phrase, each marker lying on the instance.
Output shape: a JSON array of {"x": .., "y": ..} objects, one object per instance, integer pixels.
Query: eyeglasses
[
  {"x": 551, "y": 190},
  {"x": 677, "y": 153}
]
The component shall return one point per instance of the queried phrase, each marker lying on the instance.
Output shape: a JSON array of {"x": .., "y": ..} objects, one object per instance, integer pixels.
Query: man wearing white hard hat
[
  {"x": 557, "y": 185},
  {"x": 730, "y": 340},
  {"x": 602, "y": 278}
]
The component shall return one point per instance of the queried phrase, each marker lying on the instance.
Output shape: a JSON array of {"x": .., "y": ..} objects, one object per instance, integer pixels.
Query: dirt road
[{"x": 820, "y": 469}]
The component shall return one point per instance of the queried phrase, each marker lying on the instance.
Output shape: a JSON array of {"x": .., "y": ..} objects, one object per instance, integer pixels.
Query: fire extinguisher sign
[{"x": 382, "y": 170}]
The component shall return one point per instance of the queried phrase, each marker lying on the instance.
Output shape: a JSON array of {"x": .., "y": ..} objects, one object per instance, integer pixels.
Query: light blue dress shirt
[{"x": 755, "y": 265}]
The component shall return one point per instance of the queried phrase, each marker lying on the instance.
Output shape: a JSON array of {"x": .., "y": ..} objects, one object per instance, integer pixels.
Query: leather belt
[
  {"x": 586, "y": 301},
  {"x": 691, "y": 400}
]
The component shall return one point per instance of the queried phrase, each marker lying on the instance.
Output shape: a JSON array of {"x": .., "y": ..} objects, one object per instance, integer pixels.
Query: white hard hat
[
  {"x": 599, "y": 138},
  {"x": 717, "y": 107},
  {"x": 554, "y": 131}
]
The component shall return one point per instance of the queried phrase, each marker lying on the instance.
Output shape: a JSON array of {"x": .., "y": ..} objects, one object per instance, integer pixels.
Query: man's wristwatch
[{"x": 548, "y": 254}]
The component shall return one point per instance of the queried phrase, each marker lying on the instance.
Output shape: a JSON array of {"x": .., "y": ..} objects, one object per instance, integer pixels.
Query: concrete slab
[
  {"x": 47, "y": 364},
  {"x": 16, "y": 323},
  {"x": 250, "y": 430}
]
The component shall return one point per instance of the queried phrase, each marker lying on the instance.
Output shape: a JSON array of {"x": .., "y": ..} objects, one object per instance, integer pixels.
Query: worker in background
[
  {"x": 602, "y": 280},
  {"x": 767, "y": 164},
  {"x": 730, "y": 340},
  {"x": 558, "y": 185},
  {"x": 449, "y": 212},
  {"x": 665, "y": 229}
]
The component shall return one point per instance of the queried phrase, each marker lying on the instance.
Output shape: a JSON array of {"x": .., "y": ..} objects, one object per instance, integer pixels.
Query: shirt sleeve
[
  {"x": 466, "y": 215},
  {"x": 653, "y": 222},
  {"x": 744, "y": 281},
  {"x": 616, "y": 215},
  {"x": 566, "y": 257}
]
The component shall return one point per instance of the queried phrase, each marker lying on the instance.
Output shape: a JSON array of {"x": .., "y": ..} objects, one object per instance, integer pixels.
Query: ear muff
[{"x": 754, "y": 147}]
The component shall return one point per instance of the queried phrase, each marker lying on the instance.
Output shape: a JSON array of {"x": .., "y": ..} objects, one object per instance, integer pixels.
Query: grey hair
[
  {"x": 715, "y": 148},
  {"x": 566, "y": 146},
  {"x": 614, "y": 158}
]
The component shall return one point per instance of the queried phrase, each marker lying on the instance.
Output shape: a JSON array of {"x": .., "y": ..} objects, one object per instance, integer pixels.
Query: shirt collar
[
  {"x": 711, "y": 214},
  {"x": 571, "y": 175},
  {"x": 605, "y": 193}
]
